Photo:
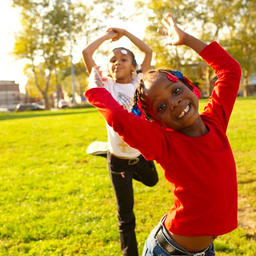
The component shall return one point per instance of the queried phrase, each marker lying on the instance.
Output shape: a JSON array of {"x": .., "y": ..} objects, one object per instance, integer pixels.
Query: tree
[
  {"x": 232, "y": 23},
  {"x": 235, "y": 30},
  {"x": 44, "y": 37},
  {"x": 44, "y": 28},
  {"x": 154, "y": 11},
  {"x": 33, "y": 91},
  {"x": 80, "y": 82},
  {"x": 242, "y": 39},
  {"x": 182, "y": 58},
  {"x": 213, "y": 25}
]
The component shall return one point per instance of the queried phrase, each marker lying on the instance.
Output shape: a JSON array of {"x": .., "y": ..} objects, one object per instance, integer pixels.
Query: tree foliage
[
  {"x": 154, "y": 12},
  {"x": 242, "y": 41},
  {"x": 232, "y": 23},
  {"x": 46, "y": 35},
  {"x": 81, "y": 80},
  {"x": 41, "y": 77}
]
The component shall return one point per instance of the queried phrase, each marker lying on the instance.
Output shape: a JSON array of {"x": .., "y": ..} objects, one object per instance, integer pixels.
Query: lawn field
[{"x": 57, "y": 200}]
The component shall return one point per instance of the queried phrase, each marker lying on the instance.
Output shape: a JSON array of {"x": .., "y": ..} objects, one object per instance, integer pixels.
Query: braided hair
[{"x": 139, "y": 106}]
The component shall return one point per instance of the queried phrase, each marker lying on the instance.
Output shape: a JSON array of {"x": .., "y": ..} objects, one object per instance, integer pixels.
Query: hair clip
[
  {"x": 172, "y": 78},
  {"x": 178, "y": 74},
  {"x": 196, "y": 91},
  {"x": 140, "y": 109},
  {"x": 136, "y": 111},
  {"x": 123, "y": 51}
]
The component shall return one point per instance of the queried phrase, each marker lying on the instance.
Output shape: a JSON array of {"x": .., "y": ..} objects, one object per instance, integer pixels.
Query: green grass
[{"x": 57, "y": 200}]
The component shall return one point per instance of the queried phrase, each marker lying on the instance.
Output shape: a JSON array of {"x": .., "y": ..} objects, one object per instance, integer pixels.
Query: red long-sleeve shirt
[{"x": 201, "y": 170}]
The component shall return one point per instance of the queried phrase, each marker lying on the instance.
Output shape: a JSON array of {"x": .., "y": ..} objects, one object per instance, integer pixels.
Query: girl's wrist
[
  {"x": 106, "y": 37},
  {"x": 186, "y": 39},
  {"x": 124, "y": 32}
]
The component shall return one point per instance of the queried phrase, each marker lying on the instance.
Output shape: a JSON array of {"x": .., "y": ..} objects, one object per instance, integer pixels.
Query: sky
[{"x": 12, "y": 69}]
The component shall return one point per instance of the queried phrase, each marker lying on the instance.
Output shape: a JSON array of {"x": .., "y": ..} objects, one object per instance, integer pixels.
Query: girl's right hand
[
  {"x": 118, "y": 31},
  {"x": 176, "y": 36},
  {"x": 111, "y": 34}
]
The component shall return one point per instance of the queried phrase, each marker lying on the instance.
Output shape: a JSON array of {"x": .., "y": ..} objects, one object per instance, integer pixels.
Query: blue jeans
[{"x": 153, "y": 248}]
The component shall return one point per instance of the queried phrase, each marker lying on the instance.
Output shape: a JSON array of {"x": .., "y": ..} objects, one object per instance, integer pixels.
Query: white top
[{"x": 123, "y": 94}]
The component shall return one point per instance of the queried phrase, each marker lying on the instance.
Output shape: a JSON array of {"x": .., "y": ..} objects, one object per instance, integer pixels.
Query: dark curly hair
[{"x": 150, "y": 76}]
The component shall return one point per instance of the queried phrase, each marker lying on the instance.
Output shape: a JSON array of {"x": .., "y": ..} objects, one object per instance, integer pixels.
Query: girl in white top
[{"x": 124, "y": 162}]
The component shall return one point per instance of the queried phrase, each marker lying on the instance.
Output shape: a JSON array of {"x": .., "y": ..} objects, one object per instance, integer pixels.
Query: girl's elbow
[
  {"x": 86, "y": 52},
  {"x": 149, "y": 51}
]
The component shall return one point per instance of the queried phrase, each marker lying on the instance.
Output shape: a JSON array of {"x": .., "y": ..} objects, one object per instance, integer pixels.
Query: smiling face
[
  {"x": 172, "y": 104},
  {"x": 121, "y": 65}
]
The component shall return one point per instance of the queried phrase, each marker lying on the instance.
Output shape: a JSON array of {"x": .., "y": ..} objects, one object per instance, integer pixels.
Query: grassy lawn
[{"x": 57, "y": 200}]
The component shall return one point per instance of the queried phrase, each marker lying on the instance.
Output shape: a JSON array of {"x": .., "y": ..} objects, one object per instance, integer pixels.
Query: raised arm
[
  {"x": 176, "y": 36},
  {"x": 225, "y": 67},
  {"x": 144, "y": 48},
  {"x": 91, "y": 48}
]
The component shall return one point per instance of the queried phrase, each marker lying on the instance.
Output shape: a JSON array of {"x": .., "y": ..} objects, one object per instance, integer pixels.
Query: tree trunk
[
  {"x": 46, "y": 101},
  {"x": 245, "y": 91},
  {"x": 245, "y": 85}
]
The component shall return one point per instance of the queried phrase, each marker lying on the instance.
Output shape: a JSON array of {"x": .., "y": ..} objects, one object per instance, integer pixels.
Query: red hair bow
[
  {"x": 172, "y": 78},
  {"x": 140, "y": 109},
  {"x": 196, "y": 91}
]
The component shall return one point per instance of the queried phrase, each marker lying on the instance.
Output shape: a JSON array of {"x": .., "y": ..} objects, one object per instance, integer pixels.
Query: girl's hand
[
  {"x": 118, "y": 31},
  {"x": 176, "y": 36},
  {"x": 95, "y": 78},
  {"x": 111, "y": 34}
]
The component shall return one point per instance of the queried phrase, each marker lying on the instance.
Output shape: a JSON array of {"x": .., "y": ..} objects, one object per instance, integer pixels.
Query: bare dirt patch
[{"x": 246, "y": 215}]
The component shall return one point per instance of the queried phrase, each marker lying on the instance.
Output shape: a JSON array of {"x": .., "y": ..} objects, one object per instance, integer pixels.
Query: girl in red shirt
[{"x": 192, "y": 148}]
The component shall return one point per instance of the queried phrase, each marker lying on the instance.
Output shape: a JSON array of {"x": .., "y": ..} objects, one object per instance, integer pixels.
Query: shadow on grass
[
  {"x": 251, "y": 236},
  {"x": 221, "y": 247},
  {"x": 246, "y": 181},
  {"x": 23, "y": 115}
]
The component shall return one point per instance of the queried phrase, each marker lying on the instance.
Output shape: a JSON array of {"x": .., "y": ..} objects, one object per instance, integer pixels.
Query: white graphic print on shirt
[
  {"x": 123, "y": 94},
  {"x": 124, "y": 100}
]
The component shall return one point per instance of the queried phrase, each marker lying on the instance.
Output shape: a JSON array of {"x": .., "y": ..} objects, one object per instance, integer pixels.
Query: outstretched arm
[
  {"x": 91, "y": 48},
  {"x": 176, "y": 36},
  {"x": 226, "y": 68},
  {"x": 145, "y": 65}
]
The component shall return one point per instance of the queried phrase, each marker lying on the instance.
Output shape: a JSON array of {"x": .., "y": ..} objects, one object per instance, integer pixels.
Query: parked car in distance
[
  {"x": 28, "y": 107},
  {"x": 4, "y": 110},
  {"x": 62, "y": 104}
]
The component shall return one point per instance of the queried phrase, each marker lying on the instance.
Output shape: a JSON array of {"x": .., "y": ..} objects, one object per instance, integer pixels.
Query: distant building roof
[{"x": 9, "y": 86}]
